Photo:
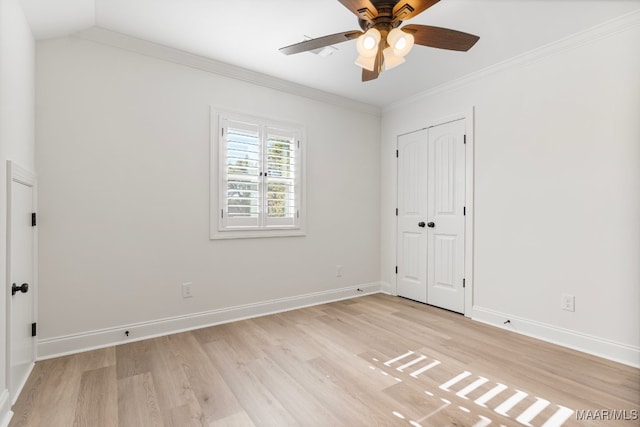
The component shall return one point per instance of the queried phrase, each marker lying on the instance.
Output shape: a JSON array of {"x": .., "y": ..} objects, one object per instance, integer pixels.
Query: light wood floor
[{"x": 371, "y": 361}]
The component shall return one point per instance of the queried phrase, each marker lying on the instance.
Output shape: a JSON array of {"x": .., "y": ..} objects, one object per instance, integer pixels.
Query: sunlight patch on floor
[{"x": 460, "y": 387}]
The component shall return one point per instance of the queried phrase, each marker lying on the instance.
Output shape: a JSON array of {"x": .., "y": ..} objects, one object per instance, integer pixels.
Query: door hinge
[
  {"x": 397, "y": 153},
  {"x": 33, "y": 219},
  {"x": 464, "y": 210},
  {"x": 464, "y": 283},
  {"x": 464, "y": 139},
  {"x": 298, "y": 143},
  {"x": 221, "y": 213},
  {"x": 298, "y": 214},
  {"x": 396, "y": 269},
  {"x": 396, "y": 211},
  {"x": 33, "y": 329},
  {"x": 222, "y": 131}
]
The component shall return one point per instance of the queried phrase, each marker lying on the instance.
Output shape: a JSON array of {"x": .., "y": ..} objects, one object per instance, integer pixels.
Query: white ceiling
[{"x": 248, "y": 33}]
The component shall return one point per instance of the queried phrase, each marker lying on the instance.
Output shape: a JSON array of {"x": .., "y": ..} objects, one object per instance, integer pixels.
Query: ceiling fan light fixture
[
  {"x": 367, "y": 62},
  {"x": 382, "y": 44},
  {"x": 391, "y": 60},
  {"x": 400, "y": 42},
  {"x": 367, "y": 43}
]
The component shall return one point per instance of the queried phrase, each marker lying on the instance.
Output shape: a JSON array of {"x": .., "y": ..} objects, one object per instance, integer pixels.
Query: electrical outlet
[
  {"x": 568, "y": 302},
  {"x": 186, "y": 290},
  {"x": 338, "y": 271}
]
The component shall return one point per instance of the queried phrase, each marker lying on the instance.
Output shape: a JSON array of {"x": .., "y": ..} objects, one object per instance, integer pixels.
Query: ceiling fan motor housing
[{"x": 383, "y": 18}]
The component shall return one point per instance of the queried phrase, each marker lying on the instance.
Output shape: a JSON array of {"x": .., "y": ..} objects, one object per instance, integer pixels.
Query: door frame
[
  {"x": 468, "y": 117},
  {"x": 16, "y": 174}
]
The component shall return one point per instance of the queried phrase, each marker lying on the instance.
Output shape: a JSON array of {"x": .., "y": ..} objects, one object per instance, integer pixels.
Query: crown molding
[
  {"x": 600, "y": 31},
  {"x": 165, "y": 53}
]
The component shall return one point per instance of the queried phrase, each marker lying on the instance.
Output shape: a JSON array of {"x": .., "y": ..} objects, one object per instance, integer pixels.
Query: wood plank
[
  {"x": 301, "y": 402},
  {"x": 241, "y": 419},
  {"x": 178, "y": 402},
  {"x": 137, "y": 402},
  {"x": 183, "y": 416},
  {"x": 97, "y": 403},
  {"x": 259, "y": 404},
  {"x": 214, "y": 397},
  {"x": 133, "y": 358}
]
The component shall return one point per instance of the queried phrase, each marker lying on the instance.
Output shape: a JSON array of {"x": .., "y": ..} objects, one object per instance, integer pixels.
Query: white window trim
[{"x": 216, "y": 226}]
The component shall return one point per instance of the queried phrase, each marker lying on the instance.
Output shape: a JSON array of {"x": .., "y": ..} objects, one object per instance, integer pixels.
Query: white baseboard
[
  {"x": 388, "y": 288},
  {"x": 5, "y": 408},
  {"x": 618, "y": 352},
  {"x": 70, "y": 344}
]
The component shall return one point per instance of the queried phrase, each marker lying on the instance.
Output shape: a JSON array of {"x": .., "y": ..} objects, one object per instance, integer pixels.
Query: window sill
[{"x": 255, "y": 234}]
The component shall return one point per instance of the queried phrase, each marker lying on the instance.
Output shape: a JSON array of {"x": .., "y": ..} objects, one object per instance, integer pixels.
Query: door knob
[
  {"x": 431, "y": 225},
  {"x": 421, "y": 224},
  {"x": 15, "y": 288}
]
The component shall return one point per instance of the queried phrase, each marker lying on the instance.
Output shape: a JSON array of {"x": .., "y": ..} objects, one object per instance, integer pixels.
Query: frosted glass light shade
[
  {"x": 367, "y": 62},
  {"x": 391, "y": 60},
  {"x": 367, "y": 43},
  {"x": 400, "y": 42}
]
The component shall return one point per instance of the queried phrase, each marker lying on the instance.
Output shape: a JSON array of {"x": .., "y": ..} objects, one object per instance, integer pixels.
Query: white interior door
[
  {"x": 412, "y": 214},
  {"x": 446, "y": 225},
  {"x": 21, "y": 312}
]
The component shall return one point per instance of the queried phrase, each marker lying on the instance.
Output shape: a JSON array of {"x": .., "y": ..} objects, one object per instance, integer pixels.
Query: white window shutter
[
  {"x": 241, "y": 158},
  {"x": 282, "y": 165}
]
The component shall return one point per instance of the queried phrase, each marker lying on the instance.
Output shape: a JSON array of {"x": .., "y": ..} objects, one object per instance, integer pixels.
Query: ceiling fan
[{"x": 382, "y": 44}]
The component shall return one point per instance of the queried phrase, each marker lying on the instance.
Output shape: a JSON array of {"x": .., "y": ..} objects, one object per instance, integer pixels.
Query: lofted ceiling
[{"x": 248, "y": 33}]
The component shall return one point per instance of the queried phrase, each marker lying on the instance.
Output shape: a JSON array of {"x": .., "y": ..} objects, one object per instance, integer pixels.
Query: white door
[
  {"x": 21, "y": 284},
  {"x": 412, "y": 215},
  {"x": 431, "y": 223},
  {"x": 445, "y": 222}
]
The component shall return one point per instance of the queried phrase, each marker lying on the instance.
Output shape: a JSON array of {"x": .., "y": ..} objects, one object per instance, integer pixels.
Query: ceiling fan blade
[
  {"x": 320, "y": 42},
  {"x": 441, "y": 38},
  {"x": 363, "y": 9},
  {"x": 377, "y": 66},
  {"x": 369, "y": 75},
  {"x": 407, "y": 9}
]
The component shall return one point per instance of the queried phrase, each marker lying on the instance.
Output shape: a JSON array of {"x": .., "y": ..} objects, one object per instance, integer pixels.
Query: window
[{"x": 258, "y": 179}]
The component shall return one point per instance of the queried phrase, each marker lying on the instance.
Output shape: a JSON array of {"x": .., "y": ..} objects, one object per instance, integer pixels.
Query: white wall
[
  {"x": 557, "y": 188},
  {"x": 17, "y": 53},
  {"x": 123, "y": 162}
]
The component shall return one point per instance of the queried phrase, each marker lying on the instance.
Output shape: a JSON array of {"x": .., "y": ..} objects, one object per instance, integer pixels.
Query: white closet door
[
  {"x": 445, "y": 223},
  {"x": 412, "y": 215}
]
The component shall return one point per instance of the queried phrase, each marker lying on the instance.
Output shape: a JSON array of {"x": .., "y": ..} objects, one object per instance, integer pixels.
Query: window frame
[{"x": 220, "y": 226}]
